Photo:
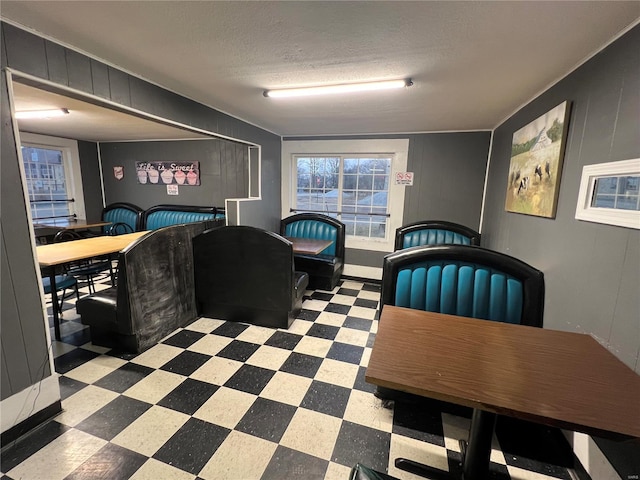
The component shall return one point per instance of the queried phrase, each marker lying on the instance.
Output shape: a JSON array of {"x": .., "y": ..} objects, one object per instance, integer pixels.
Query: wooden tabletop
[
  {"x": 308, "y": 245},
  {"x": 562, "y": 379},
  {"x": 64, "y": 252},
  {"x": 67, "y": 224}
]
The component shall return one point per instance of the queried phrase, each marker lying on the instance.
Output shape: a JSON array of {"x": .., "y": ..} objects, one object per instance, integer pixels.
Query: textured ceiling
[{"x": 472, "y": 63}]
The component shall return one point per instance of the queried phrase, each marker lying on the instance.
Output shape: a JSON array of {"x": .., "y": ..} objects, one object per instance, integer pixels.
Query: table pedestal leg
[{"x": 475, "y": 454}]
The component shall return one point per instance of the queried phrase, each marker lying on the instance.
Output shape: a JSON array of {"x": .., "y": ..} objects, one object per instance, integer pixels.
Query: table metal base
[{"x": 476, "y": 453}]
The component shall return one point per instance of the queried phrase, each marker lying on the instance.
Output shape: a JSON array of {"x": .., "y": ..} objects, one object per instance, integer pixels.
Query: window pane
[
  {"x": 363, "y": 191},
  {"x": 620, "y": 193},
  {"x": 45, "y": 177}
]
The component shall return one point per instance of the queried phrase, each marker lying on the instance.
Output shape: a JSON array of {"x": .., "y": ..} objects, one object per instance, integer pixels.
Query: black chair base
[{"x": 360, "y": 472}]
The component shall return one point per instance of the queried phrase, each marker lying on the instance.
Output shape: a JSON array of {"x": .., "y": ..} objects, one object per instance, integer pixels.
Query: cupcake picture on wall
[{"x": 168, "y": 173}]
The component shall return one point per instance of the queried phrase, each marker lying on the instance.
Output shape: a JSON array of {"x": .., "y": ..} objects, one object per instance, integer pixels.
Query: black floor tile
[
  {"x": 189, "y": 396},
  {"x": 238, "y": 350},
  {"x": 114, "y": 417},
  {"x": 363, "y": 302},
  {"x": 285, "y": 340},
  {"x": 301, "y": 364},
  {"x": 18, "y": 451},
  {"x": 111, "y": 461},
  {"x": 345, "y": 352},
  {"x": 371, "y": 287},
  {"x": 323, "y": 296},
  {"x": 184, "y": 338},
  {"x": 70, "y": 360},
  {"x": 191, "y": 447},
  {"x": 337, "y": 308},
  {"x": 266, "y": 419},
  {"x": 287, "y": 463},
  {"x": 186, "y": 363},
  {"x": 361, "y": 384},
  {"x": 320, "y": 330},
  {"x": 230, "y": 329},
  {"x": 69, "y": 386},
  {"x": 424, "y": 424},
  {"x": 371, "y": 340},
  {"x": 357, "y": 443},
  {"x": 250, "y": 379},
  {"x": 358, "y": 323},
  {"x": 326, "y": 398},
  {"x": 347, "y": 291},
  {"x": 309, "y": 315},
  {"x": 78, "y": 338},
  {"x": 124, "y": 377}
]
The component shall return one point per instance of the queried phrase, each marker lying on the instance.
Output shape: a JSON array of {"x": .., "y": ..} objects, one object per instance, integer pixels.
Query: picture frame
[{"x": 535, "y": 168}]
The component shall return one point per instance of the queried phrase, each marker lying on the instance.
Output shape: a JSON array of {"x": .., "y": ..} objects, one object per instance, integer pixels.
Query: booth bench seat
[
  {"x": 164, "y": 215},
  {"x": 154, "y": 294},
  {"x": 246, "y": 274},
  {"x": 325, "y": 268}
]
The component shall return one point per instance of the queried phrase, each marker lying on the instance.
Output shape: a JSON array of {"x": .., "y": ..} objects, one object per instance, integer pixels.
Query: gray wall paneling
[
  {"x": 90, "y": 171},
  {"x": 592, "y": 271},
  {"x": 23, "y": 340},
  {"x": 221, "y": 163}
]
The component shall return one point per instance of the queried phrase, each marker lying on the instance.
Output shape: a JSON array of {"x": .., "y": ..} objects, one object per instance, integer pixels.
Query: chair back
[
  {"x": 316, "y": 226},
  {"x": 66, "y": 236},
  {"x": 435, "y": 232},
  {"x": 464, "y": 280},
  {"x": 122, "y": 212}
]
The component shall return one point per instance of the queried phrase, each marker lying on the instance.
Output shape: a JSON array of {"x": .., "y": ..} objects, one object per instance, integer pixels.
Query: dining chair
[
  {"x": 85, "y": 269},
  {"x": 434, "y": 232},
  {"x": 63, "y": 283},
  {"x": 463, "y": 280}
]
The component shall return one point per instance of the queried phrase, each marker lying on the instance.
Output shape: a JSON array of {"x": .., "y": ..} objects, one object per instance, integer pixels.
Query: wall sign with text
[
  {"x": 168, "y": 173},
  {"x": 404, "y": 178}
]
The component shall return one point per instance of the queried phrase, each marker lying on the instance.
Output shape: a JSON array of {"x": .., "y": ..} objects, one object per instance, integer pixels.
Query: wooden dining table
[
  {"x": 52, "y": 257},
  {"x": 557, "y": 378},
  {"x": 309, "y": 246},
  {"x": 45, "y": 229}
]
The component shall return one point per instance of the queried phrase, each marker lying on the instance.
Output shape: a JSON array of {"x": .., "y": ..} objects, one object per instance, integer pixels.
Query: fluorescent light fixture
[
  {"x": 59, "y": 112},
  {"x": 331, "y": 89}
]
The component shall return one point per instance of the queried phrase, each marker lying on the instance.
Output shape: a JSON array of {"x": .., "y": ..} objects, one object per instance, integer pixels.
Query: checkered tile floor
[{"x": 222, "y": 400}]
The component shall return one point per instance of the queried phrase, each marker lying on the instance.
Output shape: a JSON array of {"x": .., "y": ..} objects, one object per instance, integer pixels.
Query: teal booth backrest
[
  {"x": 161, "y": 216},
  {"x": 464, "y": 280},
  {"x": 435, "y": 232},
  {"x": 316, "y": 226},
  {"x": 126, "y": 213}
]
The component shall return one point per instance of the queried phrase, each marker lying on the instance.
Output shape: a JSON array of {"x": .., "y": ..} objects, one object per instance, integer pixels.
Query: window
[
  {"x": 352, "y": 180},
  {"x": 51, "y": 169},
  {"x": 352, "y": 188},
  {"x": 610, "y": 193}
]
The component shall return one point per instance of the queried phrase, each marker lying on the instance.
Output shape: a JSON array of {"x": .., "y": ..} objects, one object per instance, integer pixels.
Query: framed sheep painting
[{"x": 537, "y": 152}]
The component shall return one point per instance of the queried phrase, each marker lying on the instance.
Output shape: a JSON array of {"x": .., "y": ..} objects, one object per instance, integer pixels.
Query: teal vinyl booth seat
[
  {"x": 463, "y": 280},
  {"x": 160, "y": 216},
  {"x": 122, "y": 213},
  {"x": 435, "y": 232},
  {"x": 325, "y": 268}
]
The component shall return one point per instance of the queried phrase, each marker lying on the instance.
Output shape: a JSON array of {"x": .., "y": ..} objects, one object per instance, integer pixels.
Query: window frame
[
  {"x": 610, "y": 216},
  {"x": 71, "y": 162},
  {"x": 396, "y": 148}
]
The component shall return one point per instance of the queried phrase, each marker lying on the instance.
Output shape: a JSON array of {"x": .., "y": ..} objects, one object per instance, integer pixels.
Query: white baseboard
[
  {"x": 374, "y": 273},
  {"x": 29, "y": 401},
  {"x": 591, "y": 457}
]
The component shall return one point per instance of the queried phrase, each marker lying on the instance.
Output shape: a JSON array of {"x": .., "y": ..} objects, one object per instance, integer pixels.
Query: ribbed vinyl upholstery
[
  {"x": 121, "y": 215},
  {"x": 434, "y": 237},
  {"x": 166, "y": 218},
  {"x": 313, "y": 229},
  {"x": 460, "y": 289}
]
